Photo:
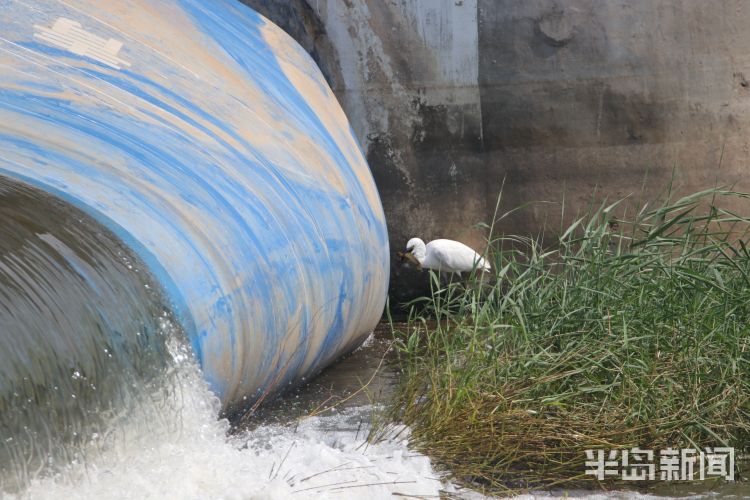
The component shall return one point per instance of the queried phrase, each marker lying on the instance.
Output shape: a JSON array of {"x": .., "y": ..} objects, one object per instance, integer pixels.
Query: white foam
[{"x": 177, "y": 448}]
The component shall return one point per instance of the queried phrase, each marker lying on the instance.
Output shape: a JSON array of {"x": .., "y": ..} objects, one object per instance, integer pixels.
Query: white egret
[{"x": 445, "y": 256}]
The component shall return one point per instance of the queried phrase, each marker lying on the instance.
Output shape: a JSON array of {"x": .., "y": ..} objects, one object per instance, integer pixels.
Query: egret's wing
[
  {"x": 440, "y": 258},
  {"x": 455, "y": 256}
]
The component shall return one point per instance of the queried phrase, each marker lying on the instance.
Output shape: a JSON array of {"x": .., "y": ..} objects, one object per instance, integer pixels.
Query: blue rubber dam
[{"x": 203, "y": 139}]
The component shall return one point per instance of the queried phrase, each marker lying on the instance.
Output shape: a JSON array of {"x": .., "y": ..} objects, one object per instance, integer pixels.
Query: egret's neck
[{"x": 419, "y": 252}]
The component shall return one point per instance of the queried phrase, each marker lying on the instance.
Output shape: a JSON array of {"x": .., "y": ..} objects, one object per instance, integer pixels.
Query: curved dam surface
[{"x": 207, "y": 141}]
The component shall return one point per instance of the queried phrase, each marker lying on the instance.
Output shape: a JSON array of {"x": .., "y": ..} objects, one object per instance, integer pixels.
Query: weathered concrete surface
[{"x": 448, "y": 97}]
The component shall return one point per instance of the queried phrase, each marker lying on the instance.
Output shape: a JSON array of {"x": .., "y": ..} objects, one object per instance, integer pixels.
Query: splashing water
[{"x": 181, "y": 450}]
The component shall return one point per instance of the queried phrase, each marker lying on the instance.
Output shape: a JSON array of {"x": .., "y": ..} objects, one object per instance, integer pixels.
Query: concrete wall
[{"x": 449, "y": 97}]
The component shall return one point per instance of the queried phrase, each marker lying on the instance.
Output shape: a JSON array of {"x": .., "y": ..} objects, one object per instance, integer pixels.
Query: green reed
[{"x": 629, "y": 331}]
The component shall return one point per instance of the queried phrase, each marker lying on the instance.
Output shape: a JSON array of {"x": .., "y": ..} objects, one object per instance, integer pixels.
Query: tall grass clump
[{"x": 631, "y": 331}]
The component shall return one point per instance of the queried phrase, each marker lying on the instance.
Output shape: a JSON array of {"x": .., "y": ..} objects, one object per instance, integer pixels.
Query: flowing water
[{"x": 83, "y": 331}]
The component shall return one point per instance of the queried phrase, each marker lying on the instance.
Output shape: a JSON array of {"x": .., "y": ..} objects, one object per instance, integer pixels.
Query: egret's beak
[{"x": 408, "y": 257}]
